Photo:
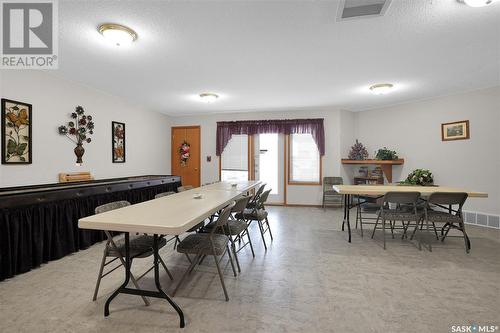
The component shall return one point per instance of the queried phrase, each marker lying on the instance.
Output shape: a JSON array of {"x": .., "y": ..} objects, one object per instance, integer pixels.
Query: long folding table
[
  {"x": 380, "y": 190},
  {"x": 170, "y": 215}
]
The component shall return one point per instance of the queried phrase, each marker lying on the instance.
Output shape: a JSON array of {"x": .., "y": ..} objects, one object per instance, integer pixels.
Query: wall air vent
[{"x": 355, "y": 9}]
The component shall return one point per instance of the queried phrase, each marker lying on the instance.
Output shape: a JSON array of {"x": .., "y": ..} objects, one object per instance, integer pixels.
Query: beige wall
[
  {"x": 53, "y": 99},
  {"x": 414, "y": 131}
]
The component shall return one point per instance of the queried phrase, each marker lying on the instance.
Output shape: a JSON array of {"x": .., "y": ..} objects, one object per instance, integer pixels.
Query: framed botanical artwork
[
  {"x": 118, "y": 140},
  {"x": 458, "y": 130},
  {"x": 16, "y": 132}
]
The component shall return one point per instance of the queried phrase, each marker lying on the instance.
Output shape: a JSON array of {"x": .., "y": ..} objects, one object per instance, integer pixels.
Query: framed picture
[
  {"x": 118, "y": 140},
  {"x": 458, "y": 130},
  {"x": 16, "y": 132}
]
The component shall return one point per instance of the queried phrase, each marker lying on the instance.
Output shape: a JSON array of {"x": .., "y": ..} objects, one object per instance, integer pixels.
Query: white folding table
[
  {"x": 381, "y": 190},
  {"x": 169, "y": 215}
]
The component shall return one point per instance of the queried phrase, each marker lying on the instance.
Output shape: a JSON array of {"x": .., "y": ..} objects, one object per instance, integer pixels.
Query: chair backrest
[
  {"x": 184, "y": 188},
  {"x": 164, "y": 194},
  {"x": 262, "y": 199},
  {"x": 223, "y": 217},
  {"x": 255, "y": 198},
  {"x": 329, "y": 181},
  {"x": 259, "y": 191},
  {"x": 241, "y": 204},
  {"x": 401, "y": 197},
  {"x": 333, "y": 180},
  {"x": 111, "y": 206},
  {"x": 448, "y": 198}
]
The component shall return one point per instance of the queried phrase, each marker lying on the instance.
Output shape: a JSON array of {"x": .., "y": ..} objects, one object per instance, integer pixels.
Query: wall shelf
[{"x": 385, "y": 165}]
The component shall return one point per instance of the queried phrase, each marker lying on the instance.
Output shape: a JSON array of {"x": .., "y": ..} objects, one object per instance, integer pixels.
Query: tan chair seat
[
  {"x": 401, "y": 215},
  {"x": 250, "y": 214},
  {"x": 140, "y": 246},
  {"x": 437, "y": 216},
  {"x": 234, "y": 227},
  {"x": 200, "y": 243}
]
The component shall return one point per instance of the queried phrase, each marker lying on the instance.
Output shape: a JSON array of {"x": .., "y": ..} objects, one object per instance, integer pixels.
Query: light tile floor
[{"x": 309, "y": 280}]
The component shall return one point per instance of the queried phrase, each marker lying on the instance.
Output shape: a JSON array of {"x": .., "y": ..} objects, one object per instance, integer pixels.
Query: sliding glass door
[
  {"x": 259, "y": 157},
  {"x": 269, "y": 164}
]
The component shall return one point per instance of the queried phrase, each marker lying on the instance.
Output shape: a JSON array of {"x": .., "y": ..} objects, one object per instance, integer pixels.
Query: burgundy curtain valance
[{"x": 226, "y": 129}]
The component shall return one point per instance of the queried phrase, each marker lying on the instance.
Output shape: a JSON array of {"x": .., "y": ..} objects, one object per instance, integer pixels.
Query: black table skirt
[{"x": 35, "y": 234}]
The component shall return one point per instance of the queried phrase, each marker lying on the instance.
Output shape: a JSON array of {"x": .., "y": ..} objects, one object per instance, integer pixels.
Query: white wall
[
  {"x": 296, "y": 194},
  {"x": 347, "y": 139},
  {"x": 414, "y": 131},
  {"x": 53, "y": 99}
]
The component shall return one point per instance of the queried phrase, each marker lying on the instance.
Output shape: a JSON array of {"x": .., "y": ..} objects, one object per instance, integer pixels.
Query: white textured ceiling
[{"x": 278, "y": 55}]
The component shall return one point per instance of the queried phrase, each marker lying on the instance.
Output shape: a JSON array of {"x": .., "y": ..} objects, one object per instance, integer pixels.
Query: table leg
[
  {"x": 348, "y": 206},
  {"x": 345, "y": 211},
  {"x": 162, "y": 294},
  {"x": 158, "y": 294}
]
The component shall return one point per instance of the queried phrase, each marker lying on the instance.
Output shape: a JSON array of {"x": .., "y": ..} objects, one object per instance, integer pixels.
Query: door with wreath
[{"x": 186, "y": 154}]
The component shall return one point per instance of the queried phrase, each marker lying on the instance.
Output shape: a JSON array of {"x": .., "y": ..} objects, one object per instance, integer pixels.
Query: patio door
[{"x": 269, "y": 162}]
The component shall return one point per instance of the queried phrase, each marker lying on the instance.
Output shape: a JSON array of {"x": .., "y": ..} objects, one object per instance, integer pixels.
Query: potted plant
[
  {"x": 386, "y": 154},
  {"x": 422, "y": 177},
  {"x": 78, "y": 130}
]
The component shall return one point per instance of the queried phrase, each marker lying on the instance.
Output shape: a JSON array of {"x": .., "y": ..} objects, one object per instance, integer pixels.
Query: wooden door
[{"x": 190, "y": 170}]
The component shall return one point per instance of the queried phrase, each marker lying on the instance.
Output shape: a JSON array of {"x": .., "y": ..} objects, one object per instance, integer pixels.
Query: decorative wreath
[{"x": 184, "y": 152}]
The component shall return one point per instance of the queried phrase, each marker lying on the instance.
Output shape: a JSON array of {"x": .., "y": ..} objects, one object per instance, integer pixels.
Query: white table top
[
  {"x": 170, "y": 215},
  {"x": 242, "y": 186},
  {"x": 383, "y": 189}
]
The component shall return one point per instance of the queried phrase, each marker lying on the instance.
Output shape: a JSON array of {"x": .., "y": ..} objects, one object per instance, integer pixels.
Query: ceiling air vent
[{"x": 353, "y": 9}]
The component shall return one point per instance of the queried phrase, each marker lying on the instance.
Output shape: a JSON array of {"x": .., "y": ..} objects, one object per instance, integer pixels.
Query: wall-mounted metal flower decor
[{"x": 78, "y": 130}]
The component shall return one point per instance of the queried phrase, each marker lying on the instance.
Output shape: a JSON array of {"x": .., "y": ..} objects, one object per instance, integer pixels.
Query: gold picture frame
[{"x": 457, "y": 130}]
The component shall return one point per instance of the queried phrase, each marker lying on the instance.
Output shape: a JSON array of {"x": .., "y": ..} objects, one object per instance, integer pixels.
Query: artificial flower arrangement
[
  {"x": 78, "y": 130},
  {"x": 184, "y": 152}
]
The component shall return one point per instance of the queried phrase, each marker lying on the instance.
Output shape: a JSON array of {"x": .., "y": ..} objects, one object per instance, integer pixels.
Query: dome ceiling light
[
  {"x": 208, "y": 97},
  {"x": 118, "y": 34},
  {"x": 381, "y": 88}
]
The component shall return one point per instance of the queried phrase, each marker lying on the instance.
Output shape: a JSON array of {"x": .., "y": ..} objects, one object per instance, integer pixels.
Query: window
[
  {"x": 234, "y": 159},
  {"x": 304, "y": 161}
]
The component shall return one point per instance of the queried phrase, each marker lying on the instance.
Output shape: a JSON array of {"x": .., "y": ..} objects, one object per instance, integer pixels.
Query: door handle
[{"x": 195, "y": 169}]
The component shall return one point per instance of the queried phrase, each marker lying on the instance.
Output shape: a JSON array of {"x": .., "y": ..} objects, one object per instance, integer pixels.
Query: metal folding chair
[
  {"x": 208, "y": 244},
  {"x": 141, "y": 246}
]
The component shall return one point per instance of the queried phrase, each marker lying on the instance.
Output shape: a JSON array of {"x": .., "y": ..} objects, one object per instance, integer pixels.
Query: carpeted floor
[{"x": 309, "y": 280}]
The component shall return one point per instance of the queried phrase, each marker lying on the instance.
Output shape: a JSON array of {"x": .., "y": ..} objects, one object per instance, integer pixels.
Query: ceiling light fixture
[
  {"x": 208, "y": 97},
  {"x": 381, "y": 88},
  {"x": 477, "y": 3},
  {"x": 118, "y": 34}
]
